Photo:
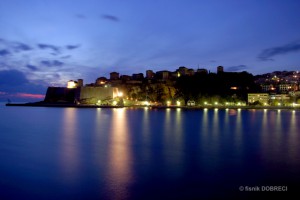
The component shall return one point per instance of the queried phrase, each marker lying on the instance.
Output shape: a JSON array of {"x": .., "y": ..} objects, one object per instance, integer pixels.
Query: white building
[{"x": 259, "y": 97}]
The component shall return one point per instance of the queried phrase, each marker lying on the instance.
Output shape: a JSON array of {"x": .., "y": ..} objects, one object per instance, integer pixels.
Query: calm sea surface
[{"x": 69, "y": 153}]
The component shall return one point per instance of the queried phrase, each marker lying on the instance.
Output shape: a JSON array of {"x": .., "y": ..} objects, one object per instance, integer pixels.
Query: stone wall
[
  {"x": 61, "y": 94},
  {"x": 86, "y": 95}
]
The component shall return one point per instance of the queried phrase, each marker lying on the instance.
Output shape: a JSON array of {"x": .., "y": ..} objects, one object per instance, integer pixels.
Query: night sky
[{"x": 48, "y": 42}]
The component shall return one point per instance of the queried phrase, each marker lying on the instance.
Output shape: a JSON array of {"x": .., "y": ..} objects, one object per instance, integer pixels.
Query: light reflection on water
[
  {"x": 69, "y": 145},
  {"x": 293, "y": 139},
  {"x": 146, "y": 153},
  {"x": 119, "y": 168}
]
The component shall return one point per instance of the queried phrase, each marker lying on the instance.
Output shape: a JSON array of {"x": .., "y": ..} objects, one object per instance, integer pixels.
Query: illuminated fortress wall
[
  {"x": 88, "y": 95},
  {"x": 98, "y": 93}
]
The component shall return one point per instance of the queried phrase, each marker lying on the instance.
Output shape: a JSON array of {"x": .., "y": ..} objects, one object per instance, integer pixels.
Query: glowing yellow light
[
  {"x": 226, "y": 103},
  {"x": 239, "y": 104},
  {"x": 71, "y": 84},
  {"x": 178, "y": 103},
  {"x": 168, "y": 103},
  {"x": 120, "y": 94},
  {"x": 114, "y": 103},
  {"x": 205, "y": 102},
  {"x": 216, "y": 103},
  {"x": 146, "y": 103},
  {"x": 279, "y": 104}
]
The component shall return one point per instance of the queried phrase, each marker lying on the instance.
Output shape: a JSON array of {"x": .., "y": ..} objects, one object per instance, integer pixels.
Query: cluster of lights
[
  {"x": 178, "y": 103},
  {"x": 226, "y": 103}
]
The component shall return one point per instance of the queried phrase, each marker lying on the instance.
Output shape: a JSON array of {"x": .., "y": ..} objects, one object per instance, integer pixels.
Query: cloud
[
  {"x": 52, "y": 63},
  {"x": 18, "y": 46},
  {"x": 32, "y": 67},
  {"x": 267, "y": 54},
  {"x": 111, "y": 18},
  {"x": 4, "y": 52},
  {"x": 66, "y": 57},
  {"x": 12, "y": 78},
  {"x": 71, "y": 47},
  {"x": 15, "y": 86},
  {"x": 56, "y": 49},
  {"x": 236, "y": 68},
  {"x": 15, "y": 46}
]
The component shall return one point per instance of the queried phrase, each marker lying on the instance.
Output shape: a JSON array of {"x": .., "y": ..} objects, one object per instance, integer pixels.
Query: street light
[{"x": 168, "y": 103}]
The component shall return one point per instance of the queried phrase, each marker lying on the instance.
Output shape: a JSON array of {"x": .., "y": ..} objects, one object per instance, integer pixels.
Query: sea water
[{"x": 126, "y": 153}]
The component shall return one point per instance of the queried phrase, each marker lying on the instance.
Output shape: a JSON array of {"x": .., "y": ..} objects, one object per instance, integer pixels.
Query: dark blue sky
[{"x": 49, "y": 42}]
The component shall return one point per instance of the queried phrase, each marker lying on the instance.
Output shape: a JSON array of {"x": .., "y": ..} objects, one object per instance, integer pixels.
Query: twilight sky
[{"x": 48, "y": 42}]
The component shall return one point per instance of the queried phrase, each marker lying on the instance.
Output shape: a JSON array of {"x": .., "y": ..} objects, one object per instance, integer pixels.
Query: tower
[{"x": 220, "y": 69}]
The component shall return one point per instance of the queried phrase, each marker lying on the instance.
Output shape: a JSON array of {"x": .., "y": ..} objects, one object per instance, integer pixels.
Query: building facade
[
  {"x": 262, "y": 98},
  {"x": 114, "y": 75}
]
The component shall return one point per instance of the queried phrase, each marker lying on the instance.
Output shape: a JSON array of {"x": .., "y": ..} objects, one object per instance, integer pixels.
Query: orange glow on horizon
[
  {"x": 28, "y": 95},
  {"x": 23, "y": 95}
]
